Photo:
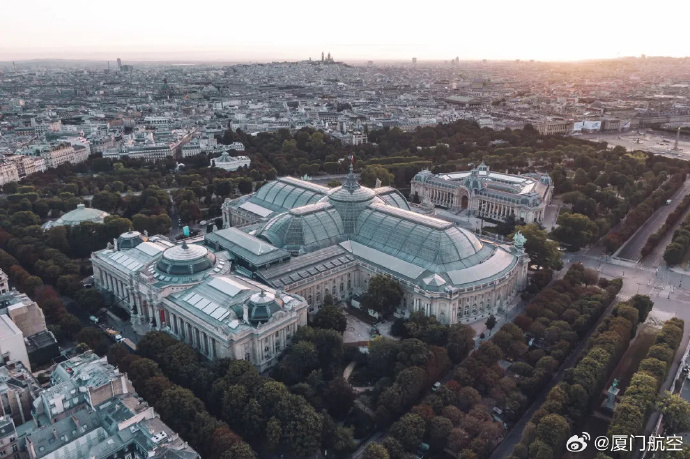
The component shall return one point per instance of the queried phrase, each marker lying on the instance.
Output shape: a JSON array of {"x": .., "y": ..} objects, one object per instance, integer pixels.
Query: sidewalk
[{"x": 515, "y": 308}]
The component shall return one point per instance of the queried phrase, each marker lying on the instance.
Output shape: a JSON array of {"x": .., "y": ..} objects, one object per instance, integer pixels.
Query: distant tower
[
  {"x": 329, "y": 58},
  {"x": 321, "y": 56},
  {"x": 119, "y": 63},
  {"x": 414, "y": 61},
  {"x": 675, "y": 146}
]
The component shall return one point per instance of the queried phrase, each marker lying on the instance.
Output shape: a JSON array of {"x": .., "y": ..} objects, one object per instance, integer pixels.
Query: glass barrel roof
[
  {"x": 314, "y": 226},
  {"x": 286, "y": 193},
  {"x": 427, "y": 242}
]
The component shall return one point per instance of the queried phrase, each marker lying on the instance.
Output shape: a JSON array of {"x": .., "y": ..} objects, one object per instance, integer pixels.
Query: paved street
[{"x": 632, "y": 248}]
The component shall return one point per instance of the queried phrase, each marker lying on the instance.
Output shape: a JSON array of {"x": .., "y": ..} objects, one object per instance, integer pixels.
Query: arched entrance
[{"x": 464, "y": 201}]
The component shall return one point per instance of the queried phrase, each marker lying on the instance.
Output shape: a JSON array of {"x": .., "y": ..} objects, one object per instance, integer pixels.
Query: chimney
[
  {"x": 245, "y": 313},
  {"x": 76, "y": 421}
]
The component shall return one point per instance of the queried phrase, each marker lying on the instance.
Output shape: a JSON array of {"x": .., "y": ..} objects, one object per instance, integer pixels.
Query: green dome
[
  {"x": 262, "y": 306},
  {"x": 350, "y": 200},
  {"x": 186, "y": 259}
]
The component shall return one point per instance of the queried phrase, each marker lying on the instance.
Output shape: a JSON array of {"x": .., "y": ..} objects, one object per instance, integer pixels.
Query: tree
[
  {"x": 383, "y": 294},
  {"x": 575, "y": 230},
  {"x": 375, "y": 451},
  {"x": 383, "y": 355},
  {"x": 273, "y": 433},
  {"x": 90, "y": 300},
  {"x": 542, "y": 251},
  {"x": 643, "y": 304},
  {"x": 439, "y": 430},
  {"x": 553, "y": 430},
  {"x": 330, "y": 317},
  {"x": 333, "y": 183},
  {"x": 409, "y": 431},
  {"x": 674, "y": 253},
  {"x": 339, "y": 398},
  {"x": 239, "y": 451},
  {"x": 245, "y": 186},
  {"x": 373, "y": 172},
  {"x": 676, "y": 411},
  {"x": 460, "y": 341},
  {"x": 95, "y": 339},
  {"x": 70, "y": 325},
  {"x": 490, "y": 323},
  {"x": 116, "y": 353}
]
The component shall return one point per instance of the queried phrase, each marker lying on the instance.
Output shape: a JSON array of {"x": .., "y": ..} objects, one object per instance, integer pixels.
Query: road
[
  {"x": 656, "y": 258},
  {"x": 632, "y": 248}
]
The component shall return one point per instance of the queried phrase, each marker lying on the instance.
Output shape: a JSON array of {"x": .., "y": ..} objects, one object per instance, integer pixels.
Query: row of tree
[
  {"x": 680, "y": 244},
  {"x": 638, "y": 402},
  {"x": 180, "y": 408},
  {"x": 671, "y": 220},
  {"x": 569, "y": 402},
  {"x": 636, "y": 217}
]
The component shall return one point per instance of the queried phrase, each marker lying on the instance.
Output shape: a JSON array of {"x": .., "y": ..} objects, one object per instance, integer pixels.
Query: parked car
[{"x": 94, "y": 320}]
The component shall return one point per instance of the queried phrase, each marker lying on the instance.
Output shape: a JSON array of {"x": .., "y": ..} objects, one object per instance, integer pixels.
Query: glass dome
[
  {"x": 350, "y": 200},
  {"x": 186, "y": 259},
  {"x": 129, "y": 240},
  {"x": 262, "y": 306}
]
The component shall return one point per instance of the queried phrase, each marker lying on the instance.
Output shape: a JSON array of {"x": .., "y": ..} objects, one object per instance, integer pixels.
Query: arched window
[
  {"x": 342, "y": 287},
  {"x": 309, "y": 299},
  {"x": 247, "y": 357},
  {"x": 467, "y": 310},
  {"x": 349, "y": 284},
  {"x": 474, "y": 308}
]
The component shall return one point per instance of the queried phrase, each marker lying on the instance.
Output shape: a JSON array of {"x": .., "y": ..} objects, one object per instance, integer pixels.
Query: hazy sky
[{"x": 353, "y": 29}]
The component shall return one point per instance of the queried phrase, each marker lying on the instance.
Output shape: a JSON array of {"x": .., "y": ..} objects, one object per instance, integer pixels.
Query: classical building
[
  {"x": 187, "y": 290},
  {"x": 555, "y": 127},
  {"x": 230, "y": 163},
  {"x": 148, "y": 152},
  {"x": 4, "y": 282},
  {"x": 8, "y": 172},
  {"x": 487, "y": 194},
  {"x": 77, "y": 216},
  {"x": 338, "y": 238}
]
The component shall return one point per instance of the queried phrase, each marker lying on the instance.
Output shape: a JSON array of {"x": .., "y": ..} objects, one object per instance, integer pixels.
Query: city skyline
[{"x": 534, "y": 30}]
